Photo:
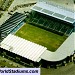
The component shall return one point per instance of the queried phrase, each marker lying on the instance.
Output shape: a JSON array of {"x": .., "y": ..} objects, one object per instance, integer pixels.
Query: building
[{"x": 61, "y": 22}]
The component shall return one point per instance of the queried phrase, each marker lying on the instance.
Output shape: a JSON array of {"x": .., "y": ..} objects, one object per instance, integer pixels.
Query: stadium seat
[{"x": 12, "y": 23}]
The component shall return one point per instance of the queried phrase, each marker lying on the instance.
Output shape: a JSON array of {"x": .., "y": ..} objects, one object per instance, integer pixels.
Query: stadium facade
[{"x": 35, "y": 54}]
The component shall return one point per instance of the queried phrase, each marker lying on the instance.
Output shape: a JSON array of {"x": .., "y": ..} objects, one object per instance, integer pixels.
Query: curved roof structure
[{"x": 66, "y": 49}]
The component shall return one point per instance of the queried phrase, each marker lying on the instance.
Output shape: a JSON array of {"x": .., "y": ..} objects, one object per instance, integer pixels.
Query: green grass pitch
[{"x": 40, "y": 36}]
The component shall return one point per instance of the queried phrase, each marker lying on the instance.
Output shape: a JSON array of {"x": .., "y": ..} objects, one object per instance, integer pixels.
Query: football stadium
[{"x": 44, "y": 35}]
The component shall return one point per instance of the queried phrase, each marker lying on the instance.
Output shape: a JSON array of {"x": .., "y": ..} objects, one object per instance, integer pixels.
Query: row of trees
[{"x": 5, "y": 4}]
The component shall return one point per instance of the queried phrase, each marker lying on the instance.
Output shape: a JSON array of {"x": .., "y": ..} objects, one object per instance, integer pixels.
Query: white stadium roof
[
  {"x": 55, "y": 11},
  {"x": 23, "y": 47}
]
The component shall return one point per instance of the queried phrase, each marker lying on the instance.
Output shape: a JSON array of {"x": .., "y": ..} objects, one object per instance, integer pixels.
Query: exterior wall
[
  {"x": 53, "y": 64},
  {"x": 42, "y": 63},
  {"x": 19, "y": 59}
]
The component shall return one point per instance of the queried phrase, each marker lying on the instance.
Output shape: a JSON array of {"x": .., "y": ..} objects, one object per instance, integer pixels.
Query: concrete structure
[{"x": 65, "y": 50}]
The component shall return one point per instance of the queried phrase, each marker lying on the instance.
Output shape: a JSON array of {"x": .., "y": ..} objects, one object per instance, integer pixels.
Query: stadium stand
[
  {"x": 51, "y": 24},
  {"x": 23, "y": 47},
  {"x": 11, "y": 23},
  {"x": 55, "y": 11},
  {"x": 52, "y": 17}
]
